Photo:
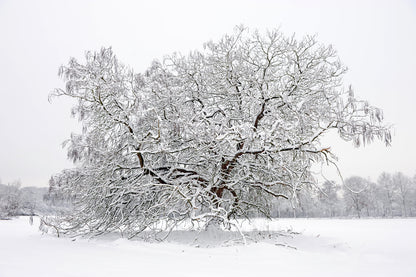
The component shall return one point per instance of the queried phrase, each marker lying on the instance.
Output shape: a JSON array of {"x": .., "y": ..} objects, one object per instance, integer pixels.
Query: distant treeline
[
  {"x": 392, "y": 195},
  {"x": 15, "y": 201}
]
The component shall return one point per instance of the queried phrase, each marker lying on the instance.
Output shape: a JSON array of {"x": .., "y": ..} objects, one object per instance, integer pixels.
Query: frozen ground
[{"x": 367, "y": 247}]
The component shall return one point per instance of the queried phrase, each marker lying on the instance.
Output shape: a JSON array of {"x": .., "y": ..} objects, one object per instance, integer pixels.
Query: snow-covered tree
[
  {"x": 386, "y": 194},
  {"x": 412, "y": 197},
  {"x": 402, "y": 186},
  {"x": 10, "y": 199},
  {"x": 211, "y": 135},
  {"x": 357, "y": 195},
  {"x": 330, "y": 204}
]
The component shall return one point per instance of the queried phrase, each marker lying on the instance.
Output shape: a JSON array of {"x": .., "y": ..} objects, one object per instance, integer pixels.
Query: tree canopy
[{"x": 211, "y": 135}]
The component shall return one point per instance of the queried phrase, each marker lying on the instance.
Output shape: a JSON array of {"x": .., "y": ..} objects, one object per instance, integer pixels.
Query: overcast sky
[{"x": 375, "y": 39}]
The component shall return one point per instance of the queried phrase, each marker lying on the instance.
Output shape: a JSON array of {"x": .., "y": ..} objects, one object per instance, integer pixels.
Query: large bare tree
[{"x": 206, "y": 136}]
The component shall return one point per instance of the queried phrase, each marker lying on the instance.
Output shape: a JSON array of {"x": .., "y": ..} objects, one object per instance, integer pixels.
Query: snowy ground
[{"x": 368, "y": 247}]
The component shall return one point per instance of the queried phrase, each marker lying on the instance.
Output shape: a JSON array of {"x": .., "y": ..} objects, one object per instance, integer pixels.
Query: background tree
[
  {"x": 32, "y": 201},
  {"x": 386, "y": 193},
  {"x": 10, "y": 199},
  {"x": 357, "y": 195},
  {"x": 412, "y": 201},
  {"x": 196, "y": 136},
  {"x": 329, "y": 199},
  {"x": 402, "y": 185}
]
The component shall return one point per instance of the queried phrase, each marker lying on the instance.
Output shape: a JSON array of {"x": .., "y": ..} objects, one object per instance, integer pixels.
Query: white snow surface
[{"x": 324, "y": 247}]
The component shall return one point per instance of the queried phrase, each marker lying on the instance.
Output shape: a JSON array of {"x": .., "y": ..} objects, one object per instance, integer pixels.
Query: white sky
[{"x": 375, "y": 39}]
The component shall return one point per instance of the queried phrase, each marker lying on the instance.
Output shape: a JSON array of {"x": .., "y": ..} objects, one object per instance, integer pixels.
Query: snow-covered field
[{"x": 324, "y": 247}]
